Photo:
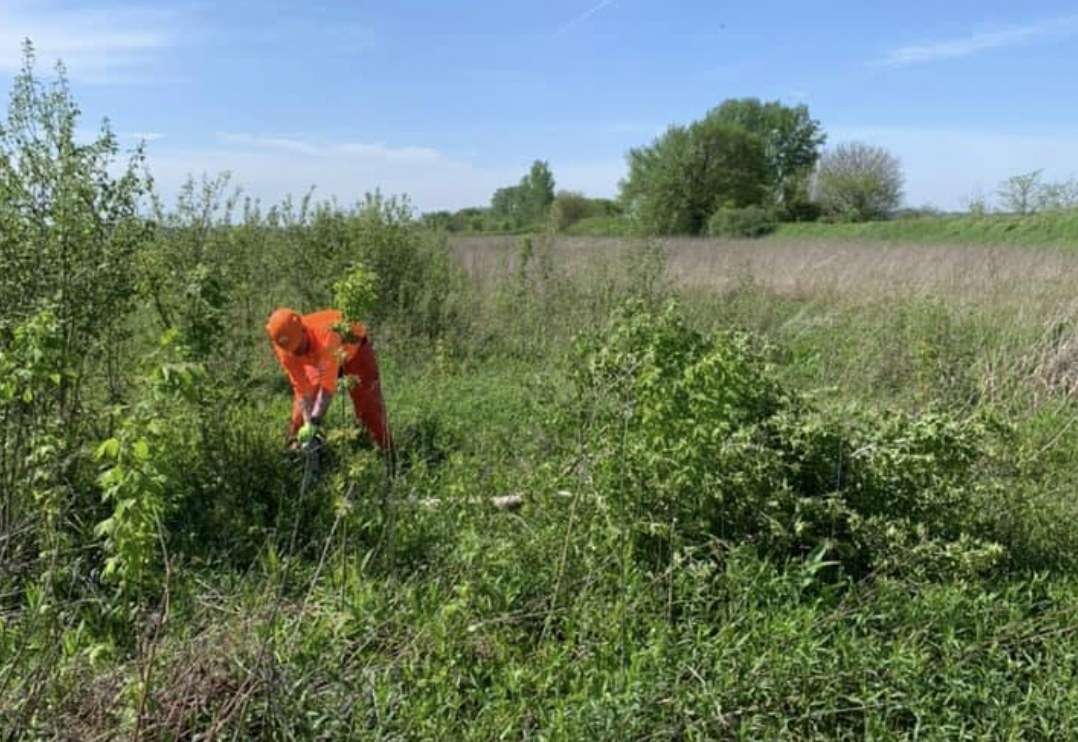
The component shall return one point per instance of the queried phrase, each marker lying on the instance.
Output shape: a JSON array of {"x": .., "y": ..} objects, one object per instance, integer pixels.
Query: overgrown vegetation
[{"x": 743, "y": 512}]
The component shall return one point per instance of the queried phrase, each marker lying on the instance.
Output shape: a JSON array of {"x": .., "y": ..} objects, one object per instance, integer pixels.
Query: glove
[{"x": 307, "y": 433}]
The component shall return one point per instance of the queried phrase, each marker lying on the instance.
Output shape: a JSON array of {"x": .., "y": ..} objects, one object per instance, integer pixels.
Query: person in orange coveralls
[{"x": 314, "y": 355}]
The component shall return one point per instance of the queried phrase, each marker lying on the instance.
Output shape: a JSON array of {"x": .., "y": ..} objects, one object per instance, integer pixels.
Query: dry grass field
[
  {"x": 1008, "y": 314},
  {"x": 806, "y": 269}
]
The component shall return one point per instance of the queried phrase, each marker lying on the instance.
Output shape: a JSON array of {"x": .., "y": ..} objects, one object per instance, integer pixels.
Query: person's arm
[{"x": 301, "y": 387}]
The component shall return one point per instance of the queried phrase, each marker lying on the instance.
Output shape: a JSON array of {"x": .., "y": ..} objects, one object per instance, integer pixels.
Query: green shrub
[
  {"x": 749, "y": 221},
  {"x": 572, "y": 207},
  {"x": 71, "y": 225},
  {"x": 569, "y": 207},
  {"x": 695, "y": 440}
]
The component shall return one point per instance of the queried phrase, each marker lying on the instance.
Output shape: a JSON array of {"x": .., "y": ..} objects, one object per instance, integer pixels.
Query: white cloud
[
  {"x": 979, "y": 42},
  {"x": 253, "y": 141},
  {"x": 944, "y": 166},
  {"x": 270, "y": 167},
  {"x": 142, "y": 136},
  {"x": 116, "y": 43},
  {"x": 331, "y": 149}
]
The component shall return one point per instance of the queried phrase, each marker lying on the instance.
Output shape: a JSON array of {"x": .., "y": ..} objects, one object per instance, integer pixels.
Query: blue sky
[{"x": 446, "y": 101}]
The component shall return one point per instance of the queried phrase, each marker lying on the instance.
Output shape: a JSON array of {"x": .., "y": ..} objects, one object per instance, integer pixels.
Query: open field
[{"x": 807, "y": 267}]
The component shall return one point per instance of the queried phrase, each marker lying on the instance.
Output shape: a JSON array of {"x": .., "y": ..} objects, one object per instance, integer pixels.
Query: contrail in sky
[{"x": 583, "y": 16}]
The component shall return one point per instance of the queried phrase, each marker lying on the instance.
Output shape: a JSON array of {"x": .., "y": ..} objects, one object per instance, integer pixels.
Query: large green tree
[
  {"x": 792, "y": 141},
  {"x": 678, "y": 181},
  {"x": 742, "y": 153}
]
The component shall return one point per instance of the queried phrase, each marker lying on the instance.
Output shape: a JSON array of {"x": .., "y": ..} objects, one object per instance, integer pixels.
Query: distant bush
[
  {"x": 469, "y": 219},
  {"x": 918, "y": 212},
  {"x": 749, "y": 221},
  {"x": 437, "y": 220},
  {"x": 801, "y": 210},
  {"x": 602, "y": 226},
  {"x": 571, "y": 207}
]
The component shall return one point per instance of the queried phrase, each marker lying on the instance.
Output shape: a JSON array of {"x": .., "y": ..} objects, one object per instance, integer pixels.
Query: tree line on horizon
[{"x": 738, "y": 171}]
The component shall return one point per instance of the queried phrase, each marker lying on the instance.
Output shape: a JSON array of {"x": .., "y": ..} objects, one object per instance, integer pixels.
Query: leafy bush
[
  {"x": 695, "y": 440},
  {"x": 416, "y": 279},
  {"x": 750, "y": 221},
  {"x": 191, "y": 272},
  {"x": 572, "y": 207},
  {"x": 34, "y": 506},
  {"x": 135, "y": 482},
  {"x": 69, "y": 215},
  {"x": 569, "y": 207}
]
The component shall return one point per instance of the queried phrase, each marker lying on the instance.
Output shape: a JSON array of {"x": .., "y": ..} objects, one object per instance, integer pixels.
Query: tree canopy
[
  {"x": 529, "y": 201},
  {"x": 742, "y": 153},
  {"x": 858, "y": 182}
]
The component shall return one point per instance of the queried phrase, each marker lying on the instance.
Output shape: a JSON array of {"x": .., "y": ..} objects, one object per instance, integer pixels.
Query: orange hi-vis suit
[{"x": 315, "y": 356}]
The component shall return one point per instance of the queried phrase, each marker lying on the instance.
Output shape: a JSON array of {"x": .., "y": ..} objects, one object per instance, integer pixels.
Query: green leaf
[
  {"x": 108, "y": 449},
  {"x": 141, "y": 449}
]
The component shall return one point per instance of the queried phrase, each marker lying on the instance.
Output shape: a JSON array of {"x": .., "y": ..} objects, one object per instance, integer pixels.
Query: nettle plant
[{"x": 694, "y": 440}]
